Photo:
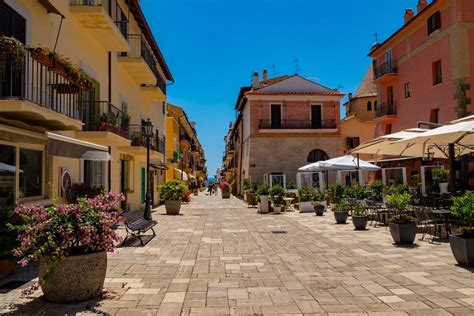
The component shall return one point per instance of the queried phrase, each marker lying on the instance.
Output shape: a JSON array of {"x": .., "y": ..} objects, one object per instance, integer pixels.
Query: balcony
[
  {"x": 385, "y": 72},
  {"x": 386, "y": 111},
  {"x": 37, "y": 96},
  {"x": 140, "y": 61},
  {"x": 105, "y": 20},
  {"x": 103, "y": 116},
  {"x": 137, "y": 136},
  {"x": 298, "y": 125}
]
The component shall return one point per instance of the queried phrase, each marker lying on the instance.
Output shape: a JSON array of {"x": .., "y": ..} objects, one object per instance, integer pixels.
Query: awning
[
  {"x": 64, "y": 146},
  {"x": 158, "y": 166},
  {"x": 96, "y": 155},
  {"x": 180, "y": 174}
]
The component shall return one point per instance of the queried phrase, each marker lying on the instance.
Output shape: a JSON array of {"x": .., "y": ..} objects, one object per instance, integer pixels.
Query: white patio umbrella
[
  {"x": 347, "y": 163},
  {"x": 386, "y": 144},
  {"x": 312, "y": 167}
]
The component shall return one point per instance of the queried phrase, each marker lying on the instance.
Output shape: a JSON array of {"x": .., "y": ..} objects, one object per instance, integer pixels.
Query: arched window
[
  {"x": 317, "y": 155},
  {"x": 369, "y": 106}
]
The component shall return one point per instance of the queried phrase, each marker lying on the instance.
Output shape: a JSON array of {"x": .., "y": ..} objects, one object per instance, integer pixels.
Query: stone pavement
[{"x": 220, "y": 257}]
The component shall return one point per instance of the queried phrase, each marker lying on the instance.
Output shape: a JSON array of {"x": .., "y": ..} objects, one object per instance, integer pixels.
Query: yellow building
[
  {"x": 53, "y": 130},
  {"x": 358, "y": 126},
  {"x": 185, "y": 155}
]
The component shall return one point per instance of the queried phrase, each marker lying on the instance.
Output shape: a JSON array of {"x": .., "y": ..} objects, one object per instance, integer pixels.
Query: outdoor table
[{"x": 288, "y": 201}]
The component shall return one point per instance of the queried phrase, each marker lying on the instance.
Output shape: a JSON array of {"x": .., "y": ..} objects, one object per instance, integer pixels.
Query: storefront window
[
  {"x": 94, "y": 173},
  {"x": 7, "y": 173},
  {"x": 31, "y": 168}
]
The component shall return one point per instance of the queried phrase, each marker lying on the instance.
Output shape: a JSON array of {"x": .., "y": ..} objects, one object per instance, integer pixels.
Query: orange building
[{"x": 425, "y": 70}]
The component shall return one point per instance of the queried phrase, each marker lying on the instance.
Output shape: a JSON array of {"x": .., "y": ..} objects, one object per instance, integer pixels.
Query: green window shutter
[{"x": 143, "y": 179}]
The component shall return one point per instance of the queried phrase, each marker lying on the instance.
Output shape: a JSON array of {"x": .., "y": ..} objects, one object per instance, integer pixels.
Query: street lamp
[{"x": 148, "y": 129}]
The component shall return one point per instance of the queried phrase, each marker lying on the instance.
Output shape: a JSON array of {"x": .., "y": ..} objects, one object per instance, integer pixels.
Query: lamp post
[{"x": 148, "y": 128}]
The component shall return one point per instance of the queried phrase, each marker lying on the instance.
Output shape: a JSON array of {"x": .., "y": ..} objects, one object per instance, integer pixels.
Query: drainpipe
[{"x": 109, "y": 66}]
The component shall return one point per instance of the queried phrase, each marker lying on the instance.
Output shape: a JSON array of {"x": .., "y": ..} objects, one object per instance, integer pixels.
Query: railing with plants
[
  {"x": 105, "y": 117},
  {"x": 41, "y": 76},
  {"x": 298, "y": 124}
]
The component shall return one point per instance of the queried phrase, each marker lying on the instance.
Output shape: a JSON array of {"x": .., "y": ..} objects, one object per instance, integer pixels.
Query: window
[
  {"x": 407, "y": 90},
  {"x": 31, "y": 169},
  {"x": 434, "y": 113},
  {"x": 278, "y": 178},
  {"x": 317, "y": 155},
  {"x": 369, "y": 106},
  {"x": 434, "y": 22},
  {"x": 94, "y": 173},
  {"x": 352, "y": 142},
  {"x": 7, "y": 173},
  {"x": 275, "y": 115},
  {"x": 437, "y": 73}
]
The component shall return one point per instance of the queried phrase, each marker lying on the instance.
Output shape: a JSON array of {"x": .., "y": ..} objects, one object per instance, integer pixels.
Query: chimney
[
  {"x": 350, "y": 96},
  {"x": 409, "y": 14},
  {"x": 255, "y": 80},
  {"x": 265, "y": 75},
  {"x": 421, "y": 5}
]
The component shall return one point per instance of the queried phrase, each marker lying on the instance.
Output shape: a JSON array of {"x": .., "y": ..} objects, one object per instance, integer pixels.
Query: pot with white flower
[
  {"x": 306, "y": 195},
  {"x": 277, "y": 193},
  {"x": 70, "y": 241},
  {"x": 441, "y": 176}
]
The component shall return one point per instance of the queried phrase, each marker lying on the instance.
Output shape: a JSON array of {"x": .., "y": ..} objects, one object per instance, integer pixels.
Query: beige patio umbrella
[{"x": 387, "y": 144}]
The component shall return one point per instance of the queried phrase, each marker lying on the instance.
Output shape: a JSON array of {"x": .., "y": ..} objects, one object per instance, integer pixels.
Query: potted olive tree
[
  {"x": 402, "y": 225},
  {"x": 225, "y": 189},
  {"x": 263, "y": 198},
  {"x": 359, "y": 217},
  {"x": 341, "y": 211},
  {"x": 277, "y": 192},
  {"x": 319, "y": 200},
  {"x": 442, "y": 176},
  {"x": 306, "y": 195},
  {"x": 462, "y": 245},
  {"x": 70, "y": 241},
  {"x": 172, "y": 192}
]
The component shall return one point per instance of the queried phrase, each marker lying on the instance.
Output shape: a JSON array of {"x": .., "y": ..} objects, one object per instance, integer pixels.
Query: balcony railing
[
  {"x": 138, "y": 138},
  {"x": 103, "y": 116},
  {"x": 139, "y": 48},
  {"x": 111, "y": 7},
  {"x": 385, "y": 68},
  {"x": 298, "y": 124},
  {"x": 36, "y": 83},
  {"x": 385, "y": 109}
]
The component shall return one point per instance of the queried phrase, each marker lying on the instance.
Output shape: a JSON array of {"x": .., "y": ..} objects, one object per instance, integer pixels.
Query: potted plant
[
  {"x": 319, "y": 200},
  {"x": 277, "y": 192},
  {"x": 442, "y": 175},
  {"x": 402, "y": 225},
  {"x": 462, "y": 245},
  {"x": 376, "y": 190},
  {"x": 8, "y": 234},
  {"x": 359, "y": 216},
  {"x": 41, "y": 55},
  {"x": 262, "y": 198},
  {"x": 70, "y": 241},
  {"x": 335, "y": 193},
  {"x": 341, "y": 211},
  {"x": 291, "y": 187},
  {"x": 306, "y": 197},
  {"x": 172, "y": 192},
  {"x": 12, "y": 48},
  {"x": 225, "y": 189}
]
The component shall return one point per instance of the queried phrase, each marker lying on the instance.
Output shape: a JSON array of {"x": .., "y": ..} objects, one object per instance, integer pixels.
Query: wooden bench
[{"x": 136, "y": 224}]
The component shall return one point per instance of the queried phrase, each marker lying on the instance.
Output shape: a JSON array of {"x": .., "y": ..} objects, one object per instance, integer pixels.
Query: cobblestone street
[{"x": 220, "y": 257}]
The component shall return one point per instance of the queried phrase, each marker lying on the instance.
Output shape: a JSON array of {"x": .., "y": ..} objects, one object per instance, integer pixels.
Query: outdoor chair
[
  {"x": 421, "y": 220},
  {"x": 436, "y": 224}
]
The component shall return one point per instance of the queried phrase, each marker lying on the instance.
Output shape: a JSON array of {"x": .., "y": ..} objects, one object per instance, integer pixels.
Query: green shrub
[
  {"x": 441, "y": 175},
  {"x": 173, "y": 190},
  {"x": 400, "y": 203},
  {"x": 356, "y": 192},
  {"x": 277, "y": 192},
  {"x": 306, "y": 194},
  {"x": 335, "y": 192},
  {"x": 319, "y": 196},
  {"x": 395, "y": 189},
  {"x": 291, "y": 186},
  {"x": 463, "y": 208},
  {"x": 359, "y": 210},
  {"x": 342, "y": 206},
  {"x": 377, "y": 189},
  {"x": 9, "y": 222}
]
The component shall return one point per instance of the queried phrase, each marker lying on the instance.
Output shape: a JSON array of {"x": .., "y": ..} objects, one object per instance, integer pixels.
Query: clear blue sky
[{"x": 213, "y": 46}]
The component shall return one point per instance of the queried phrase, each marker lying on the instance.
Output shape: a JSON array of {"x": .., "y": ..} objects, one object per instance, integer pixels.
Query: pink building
[{"x": 425, "y": 70}]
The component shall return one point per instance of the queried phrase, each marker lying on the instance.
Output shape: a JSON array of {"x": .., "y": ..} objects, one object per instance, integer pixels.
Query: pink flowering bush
[
  {"x": 225, "y": 186},
  {"x": 68, "y": 229}
]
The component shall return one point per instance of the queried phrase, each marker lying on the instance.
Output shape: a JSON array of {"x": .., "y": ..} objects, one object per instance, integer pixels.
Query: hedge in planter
[
  {"x": 341, "y": 211},
  {"x": 70, "y": 241},
  {"x": 172, "y": 192},
  {"x": 462, "y": 245},
  {"x": 402, "y": 225},
  {"x": 359, "y": 217},
  {"x": 277, "y": 192},
  {"x": 306, "y": 196},
  {"x": 262, "y": 198}
]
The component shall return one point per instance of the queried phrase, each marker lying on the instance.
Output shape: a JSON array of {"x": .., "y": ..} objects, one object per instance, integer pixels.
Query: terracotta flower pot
[
  {"x": 172, "y": 207},
  {"x": 7, "y": 267},
  {"x": 75, "y": 278}
]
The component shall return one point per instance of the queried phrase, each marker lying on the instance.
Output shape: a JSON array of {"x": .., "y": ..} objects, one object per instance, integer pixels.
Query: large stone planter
[
  {"x": 7, "y": 267},
  {"x": 306, "y": 207},
  {"x": 404, "y": 233},
  {"x": 360, "y": 222},
  {"x": 75, "y": 278},
  {"x": 172, "y": 207},
  {"x": 463, "y": 250},
  {"x": 225, "y": 194},
  {"x": 341, "y": 217},
  {"x": 319, "y": 209},
  {"x": 263, "y": 205}
]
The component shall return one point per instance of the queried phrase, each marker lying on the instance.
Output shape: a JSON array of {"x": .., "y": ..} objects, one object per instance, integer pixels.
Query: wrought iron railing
[
  {"x": 104, "y": 116},
  {"x": 139, "y": 48},
  {"x": 298, "y": 124},
  {"x": 385, "y": 109},
  {"x": 138, "y": 137},
  {"x": 385, "y": 68},
  {"x": 111, "y": 7},
  {"x": 35, "y": 82}
]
